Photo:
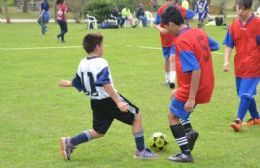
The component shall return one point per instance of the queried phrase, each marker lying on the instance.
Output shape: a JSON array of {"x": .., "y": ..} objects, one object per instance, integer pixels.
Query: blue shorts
[
  {"x": 177, "y": 108},
  {"x": 168, "y": 51},
  {"x": 246, "y": 87}
]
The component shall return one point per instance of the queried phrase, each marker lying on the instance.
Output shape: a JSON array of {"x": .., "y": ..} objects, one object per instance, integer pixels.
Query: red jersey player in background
[
  {"x": 195, "y": 78},
  {"x": 244, "y": 35},
  {"x": 62, "y": 10},
  {"x": 167, "y": 41}
]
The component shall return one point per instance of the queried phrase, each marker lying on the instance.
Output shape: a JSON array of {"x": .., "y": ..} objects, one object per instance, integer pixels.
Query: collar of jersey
[
  {"x": 92, "y": 57},
  {"x": 251, "y": 18},
  {"x": 184, "y": 30}
]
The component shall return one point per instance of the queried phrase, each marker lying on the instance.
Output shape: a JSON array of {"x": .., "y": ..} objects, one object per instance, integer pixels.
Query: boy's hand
[
  {"x": 226, "y": 66},
  {"x": 65, "y": 83},
  {"x": 189, "y": 105},
  {"x": 173, "y": 94},
  {"x": 122, "y": 106}
]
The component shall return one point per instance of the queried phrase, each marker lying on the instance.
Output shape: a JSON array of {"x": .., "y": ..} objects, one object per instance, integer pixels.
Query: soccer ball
[{"x": 158, "y": 142}]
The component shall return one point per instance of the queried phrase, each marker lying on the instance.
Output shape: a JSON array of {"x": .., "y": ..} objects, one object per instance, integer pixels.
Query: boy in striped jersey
[{"x": 93, "y": 77}]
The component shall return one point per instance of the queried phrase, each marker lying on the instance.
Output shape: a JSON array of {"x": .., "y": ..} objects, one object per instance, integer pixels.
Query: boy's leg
[
  {"x": 68, "y": 144},
  {"x": 176, "y": 112},
  {"x": 132, "y": 117},
  {"x": 102, "y": 120},
  {"x": 246, "y": 90},
  {"x": 186, "y": 124},
  {"x": 191, "y": 134},
  {"x": 181, "y": 139},
  {"x": 60, "y": 25},
  {"x": 255, "y": 118},
  {"x": 138, "y": 133},
  {"x": 142, "y": 152},
  {"x": 169, "y": 66}
]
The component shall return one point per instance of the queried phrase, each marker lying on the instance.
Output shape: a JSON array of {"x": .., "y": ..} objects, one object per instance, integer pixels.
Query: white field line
[
  {"x": 39, "y": 48},
  {"x": 158, "y": 48},
  {"x": 69, "y": 47}
]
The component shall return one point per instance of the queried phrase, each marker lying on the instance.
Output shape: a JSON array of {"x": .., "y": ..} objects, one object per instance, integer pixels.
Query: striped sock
[
  {"x": 139, "y": 140},
  {"x": 85, "y": 136},
  {"x": 179, "y": 135},
  {"x": 186, "y": 125}
]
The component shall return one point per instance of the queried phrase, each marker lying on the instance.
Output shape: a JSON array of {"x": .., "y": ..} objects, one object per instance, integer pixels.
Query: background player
[
  {"x": 244, "y": 34},
  {"x": 202, "y": 11},
  {"x": 167, "y": 41}
]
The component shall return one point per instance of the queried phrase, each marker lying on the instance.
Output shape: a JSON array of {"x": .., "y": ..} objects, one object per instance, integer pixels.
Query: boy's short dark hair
[
  {"x": 245, "y": 4},
  {"x": 172, "y": 14},
  {"x": 91, "y": 40}
]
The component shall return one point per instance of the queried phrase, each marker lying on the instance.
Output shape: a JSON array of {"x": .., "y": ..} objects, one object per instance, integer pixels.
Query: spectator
[
  {"x": 185, "y": 4},
  {"x": 127, "y": 15},
  {"x": 116, "y": 13},
  {"x": 44, "y": 16},
  {"x": 140, "y": 14}
]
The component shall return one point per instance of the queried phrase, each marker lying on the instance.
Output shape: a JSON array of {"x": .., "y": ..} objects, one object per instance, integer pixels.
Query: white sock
[
  {"x": 167, "y": 77},
  {"x": 172, "y": 76}
]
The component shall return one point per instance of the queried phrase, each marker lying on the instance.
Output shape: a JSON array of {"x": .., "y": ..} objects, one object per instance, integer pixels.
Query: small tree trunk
[
  {"x": 25, "y": 6},
  {"x": 55, "y": 12},
  {"x": 6, "y": 12}
]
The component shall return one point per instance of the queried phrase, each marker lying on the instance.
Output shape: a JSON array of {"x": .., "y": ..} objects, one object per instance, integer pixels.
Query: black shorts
[{"x": 106, "y": 110}]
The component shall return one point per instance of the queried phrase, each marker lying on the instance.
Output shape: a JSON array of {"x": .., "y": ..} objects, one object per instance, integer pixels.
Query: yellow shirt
[
  {"x": 185, "y": 4},
  {"x": 126, "y": 12}
]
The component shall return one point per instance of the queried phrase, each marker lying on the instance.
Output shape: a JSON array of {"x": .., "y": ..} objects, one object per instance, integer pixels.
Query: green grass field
[{"x": 35, "y": 112}]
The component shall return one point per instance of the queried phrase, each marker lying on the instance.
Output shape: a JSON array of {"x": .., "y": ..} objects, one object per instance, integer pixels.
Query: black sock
[
  {"x": 81, "y": 138},
  {"x": 139, "y": 140},
  {"x": 186, "y": 125},
  {"x": 179, "y": 135}
]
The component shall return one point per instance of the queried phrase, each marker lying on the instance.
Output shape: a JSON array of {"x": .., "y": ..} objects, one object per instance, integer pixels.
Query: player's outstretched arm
[
  {"x": 227, "y": 58},
  {"x": 65, "y": 83},
  {"x": 110, "y": 90}
]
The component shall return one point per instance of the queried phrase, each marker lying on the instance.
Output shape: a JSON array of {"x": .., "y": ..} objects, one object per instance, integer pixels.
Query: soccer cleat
[
  {"x": 66, "y": 147},
  {"x": 236, "y": 125},
  {"x": 180, "y": 157},
  {"x": 145, "y": 154},
  {"x": 192, "y": 136},
  {"x": 252, "y": 121}
]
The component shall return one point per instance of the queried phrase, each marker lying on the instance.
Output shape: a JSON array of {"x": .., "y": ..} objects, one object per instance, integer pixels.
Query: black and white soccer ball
[{"x": 158, "y": 142}]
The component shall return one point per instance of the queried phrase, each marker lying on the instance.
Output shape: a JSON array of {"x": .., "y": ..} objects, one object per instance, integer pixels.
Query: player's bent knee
[
  {"x": 172, "y": 117},
  {"x": 96, "y": 134},
  {"x": 246, "y": 96},
  {"x": 138, "y": 117}
]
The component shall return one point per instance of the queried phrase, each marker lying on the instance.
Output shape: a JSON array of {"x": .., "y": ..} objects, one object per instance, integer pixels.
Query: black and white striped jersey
[{"x": 92, "y": 74}]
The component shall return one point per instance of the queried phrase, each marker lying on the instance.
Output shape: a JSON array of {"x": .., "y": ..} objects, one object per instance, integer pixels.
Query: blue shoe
[
  {"x": 145, "y": 154},
  {"x": 66, "y": 147}
]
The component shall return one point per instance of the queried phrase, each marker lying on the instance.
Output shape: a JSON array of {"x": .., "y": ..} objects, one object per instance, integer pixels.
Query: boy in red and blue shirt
[
  {"x": 167, "y": 41},
  {"x": 244, "y": 35},
  {"x": 195, "y": 78}
]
